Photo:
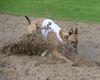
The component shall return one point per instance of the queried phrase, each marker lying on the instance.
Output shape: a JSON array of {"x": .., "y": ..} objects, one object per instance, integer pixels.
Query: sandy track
[{"x": 17, "y": 67}]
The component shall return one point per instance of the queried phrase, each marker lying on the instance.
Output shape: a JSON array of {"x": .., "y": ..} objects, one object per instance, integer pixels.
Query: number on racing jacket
[
  {"x": 47, "y": 26},
  {"x": 49, "y": 23}
]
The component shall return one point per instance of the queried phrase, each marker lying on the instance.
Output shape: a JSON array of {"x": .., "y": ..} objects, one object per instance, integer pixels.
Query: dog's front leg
[
  {"x": 58, "y": 55},
  {"x": 44, "y": 53}
]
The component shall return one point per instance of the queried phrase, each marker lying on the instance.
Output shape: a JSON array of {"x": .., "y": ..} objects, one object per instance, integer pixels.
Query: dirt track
[{"x": 17, "y": 67}]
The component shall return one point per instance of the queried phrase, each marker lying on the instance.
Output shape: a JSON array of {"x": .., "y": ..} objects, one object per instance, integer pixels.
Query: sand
[{"x": 25, "y": 67}]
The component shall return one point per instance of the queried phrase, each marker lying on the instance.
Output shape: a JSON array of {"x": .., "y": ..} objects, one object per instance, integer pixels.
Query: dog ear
[
  {"x": 76, "y": 31},
  {"x": 70, "y": 31}
]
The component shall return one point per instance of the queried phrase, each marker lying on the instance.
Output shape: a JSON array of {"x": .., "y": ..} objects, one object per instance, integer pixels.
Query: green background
[{"x": 77, "y": 10}]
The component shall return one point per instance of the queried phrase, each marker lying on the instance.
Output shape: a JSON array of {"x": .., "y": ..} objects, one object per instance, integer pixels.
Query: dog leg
[
  {"x": 58, "y": 55},
  {"x": 44, "y": 53}
]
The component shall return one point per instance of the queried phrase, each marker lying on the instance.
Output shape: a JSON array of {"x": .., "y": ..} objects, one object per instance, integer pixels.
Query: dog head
[{"x": 73, "y": 38}]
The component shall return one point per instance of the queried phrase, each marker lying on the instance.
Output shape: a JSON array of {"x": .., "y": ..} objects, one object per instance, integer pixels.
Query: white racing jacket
[{"x": 48, "y": 23}]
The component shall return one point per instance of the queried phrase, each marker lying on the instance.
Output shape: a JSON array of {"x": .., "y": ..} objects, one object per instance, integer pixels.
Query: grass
[{"x": 77, "y": 10}]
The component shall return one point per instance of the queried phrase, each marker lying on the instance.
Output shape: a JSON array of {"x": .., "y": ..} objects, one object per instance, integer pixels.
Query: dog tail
[{"x": 28, "y": 19}]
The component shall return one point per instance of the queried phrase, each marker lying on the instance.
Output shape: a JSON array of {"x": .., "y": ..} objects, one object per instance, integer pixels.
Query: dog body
[
  {"x": 49, "y": 24},
  {"x": 45, "y": 25},
  {"x": 55, "y": 44},
  {"x": 72, "y": 40}
]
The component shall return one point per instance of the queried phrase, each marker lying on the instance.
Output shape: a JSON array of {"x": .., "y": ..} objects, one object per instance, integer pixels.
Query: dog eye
[{"x": 73, "y": 42}]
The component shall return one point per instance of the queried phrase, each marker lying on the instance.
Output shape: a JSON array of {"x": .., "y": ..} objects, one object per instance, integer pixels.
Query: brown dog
[
  {"x": 73, "y": 38},
  {"x": 55, "y": 44}
]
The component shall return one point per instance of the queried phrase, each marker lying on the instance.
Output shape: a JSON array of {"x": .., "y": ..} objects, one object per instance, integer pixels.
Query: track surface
[{"x": 16, "y": 67}]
